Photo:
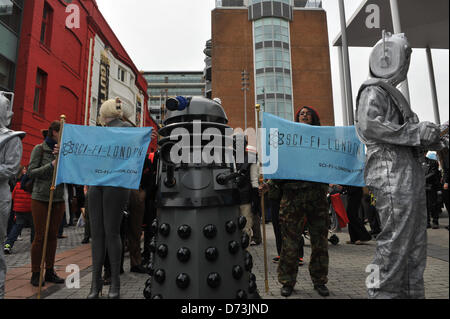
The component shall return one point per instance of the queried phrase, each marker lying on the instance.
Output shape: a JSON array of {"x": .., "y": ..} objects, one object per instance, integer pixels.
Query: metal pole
[
  {"x": 437, "y": 117},
  {"x": 245, "y": 109},
  {"x": 263, "y": 208},
  {"x": 346, "y": 60},
  {"x": 245, "y": 88},
  {"x": 404, "y": 87},
  {"x": 343, "y": 90}
]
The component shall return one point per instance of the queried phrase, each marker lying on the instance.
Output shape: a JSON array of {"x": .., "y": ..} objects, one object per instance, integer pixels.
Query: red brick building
[
  {"x": 55, "y": 67},
  {"x": 283, "y": 46}
]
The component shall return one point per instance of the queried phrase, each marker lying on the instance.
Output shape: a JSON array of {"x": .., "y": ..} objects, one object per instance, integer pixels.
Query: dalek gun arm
[{"x": 224, "y": 179}]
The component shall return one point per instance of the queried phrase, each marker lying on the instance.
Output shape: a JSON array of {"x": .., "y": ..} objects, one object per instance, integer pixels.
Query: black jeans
[
  {"x": 22, "y": 219},
  {"x": 356, "y": 228},
  {"x": 432, "y": 206}
]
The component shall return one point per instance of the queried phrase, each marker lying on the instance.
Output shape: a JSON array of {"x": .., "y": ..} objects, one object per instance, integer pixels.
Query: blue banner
[
  {"x": 295, "y": 151},
  {"x": 102, "y": 156}
]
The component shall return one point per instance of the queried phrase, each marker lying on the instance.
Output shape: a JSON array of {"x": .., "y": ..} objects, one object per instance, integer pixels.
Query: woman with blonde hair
[{"x": 106, "y": 205}]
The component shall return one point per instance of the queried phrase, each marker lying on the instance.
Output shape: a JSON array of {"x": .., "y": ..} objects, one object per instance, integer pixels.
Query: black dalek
[{"x": 199, "y": 250}]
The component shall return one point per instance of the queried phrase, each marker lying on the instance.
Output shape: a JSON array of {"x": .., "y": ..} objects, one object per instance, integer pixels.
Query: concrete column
[
  {"x": 343, "y": 90},
  {"x": 404, "y": 87},
  {"x": 437, "y": 117},
  {"x": 346, "y": 66}
]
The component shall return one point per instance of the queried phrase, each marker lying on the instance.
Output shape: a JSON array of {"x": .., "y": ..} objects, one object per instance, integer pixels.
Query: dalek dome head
[{"x": 196, "y": 108}]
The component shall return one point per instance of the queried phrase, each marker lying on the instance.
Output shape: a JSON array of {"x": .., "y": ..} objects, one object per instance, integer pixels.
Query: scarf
[{"x": 50, "y": 142}]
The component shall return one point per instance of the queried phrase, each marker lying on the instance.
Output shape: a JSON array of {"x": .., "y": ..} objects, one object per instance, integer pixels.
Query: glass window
[
  {"x": 6, "y": 74},
  {"x": 121, "y": 74},
  {"x": 260, "y": 84},
  {"x": 278, "y": 54},
  {"x": 10, "y": 15},
  {"x": 287, "y": 82},
  {"x": 277, "y": 34},
  {"x": 268, "y": 31},
  {"x": 259, "y": 30},
  {"x": 259, "y": 56},
  {"x": 259, "y": 65},
  {"x": 270, "y": 106},
  {"x": 46, "y": 25},
  {"x": 39, "y": 91},
  {"x": 278, "y": 63},
  {"x": 280, "y": 82},
  {"x": 270, "y": 83},
  {"x": 289, "y": 115},
  {"x": 268, "y": 54}
]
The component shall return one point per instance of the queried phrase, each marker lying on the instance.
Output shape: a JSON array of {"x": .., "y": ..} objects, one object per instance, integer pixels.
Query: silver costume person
[
  {"x": 10, "y": 156},
  {"x": 394, "y": 138}
]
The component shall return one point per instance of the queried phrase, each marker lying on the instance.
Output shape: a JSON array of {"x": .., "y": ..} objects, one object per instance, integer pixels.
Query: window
[
  {"x": 6, "y": 74},
  {"x": 11, "y": 14},
  {"x": 39, "y": 91},
  {"x": 121, "y": 74},
  {"x": 46, "y": 26}
]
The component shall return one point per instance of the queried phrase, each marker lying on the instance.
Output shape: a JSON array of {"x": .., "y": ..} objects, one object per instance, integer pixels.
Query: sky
[{"x": 168, "y": 35}]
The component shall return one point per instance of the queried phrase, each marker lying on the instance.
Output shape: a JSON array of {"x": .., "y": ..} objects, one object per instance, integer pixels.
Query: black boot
[
  {"x": 322, "y": 290},
  {"x": 35, "y": 279},
  {"x": 114, "y": 289},
  {"x": 435, "y": 224},
  {"x": 96, "y": 287},
  {"x": 286, "y": 290},
  {"x": 51, "y": 276}
]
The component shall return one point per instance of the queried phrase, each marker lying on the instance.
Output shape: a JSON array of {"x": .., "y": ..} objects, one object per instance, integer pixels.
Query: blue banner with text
[
  {"x": 295, "y": 151},
  {"x": 102, "y": 156}
]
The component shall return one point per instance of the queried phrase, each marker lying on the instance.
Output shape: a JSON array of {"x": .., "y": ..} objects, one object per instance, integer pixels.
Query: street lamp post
[{"x": 245, "y": 88}]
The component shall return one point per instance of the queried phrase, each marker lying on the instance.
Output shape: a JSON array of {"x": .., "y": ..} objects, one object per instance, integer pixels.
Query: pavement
[{"x": 347, "y": 271}]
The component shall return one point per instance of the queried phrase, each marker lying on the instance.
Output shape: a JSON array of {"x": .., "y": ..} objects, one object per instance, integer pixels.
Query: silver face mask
[
  {"x": 390, "y": 58},
  {"x": 6, "y": 113}
]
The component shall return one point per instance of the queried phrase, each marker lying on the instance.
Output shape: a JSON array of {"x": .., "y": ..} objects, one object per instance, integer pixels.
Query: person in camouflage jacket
[{"x": 302, "y": 200}]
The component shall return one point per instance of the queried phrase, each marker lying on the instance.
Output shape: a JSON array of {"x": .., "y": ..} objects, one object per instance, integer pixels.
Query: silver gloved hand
[{"x": 429, "y": 134}]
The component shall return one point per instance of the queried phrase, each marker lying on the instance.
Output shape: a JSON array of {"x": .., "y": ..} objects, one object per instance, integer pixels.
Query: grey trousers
[
  {"x": 5, "y": 207},
  {"x": 106, "y": 206}
]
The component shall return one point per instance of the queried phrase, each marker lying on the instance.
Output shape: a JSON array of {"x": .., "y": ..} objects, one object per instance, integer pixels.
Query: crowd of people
[
  {"x": 406, "y": 191},
  {"x": 115, "y": 219}
]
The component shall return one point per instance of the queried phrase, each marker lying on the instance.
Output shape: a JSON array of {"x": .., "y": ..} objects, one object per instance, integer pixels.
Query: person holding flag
[
  {"x": 302, "y": 199},
  {"x": 40, "y": 169}
]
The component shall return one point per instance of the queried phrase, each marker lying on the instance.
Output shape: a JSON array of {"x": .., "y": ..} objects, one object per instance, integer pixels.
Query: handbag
[{"x": 27, "y": 183}]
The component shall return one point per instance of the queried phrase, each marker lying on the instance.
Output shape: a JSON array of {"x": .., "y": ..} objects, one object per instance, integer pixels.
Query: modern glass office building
[
  {"x": 162, "y": 85},
  {"x": 273, "y": 66},
  {"x": 283, "y": 45},
  {"x": 10, "y": 26}
]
